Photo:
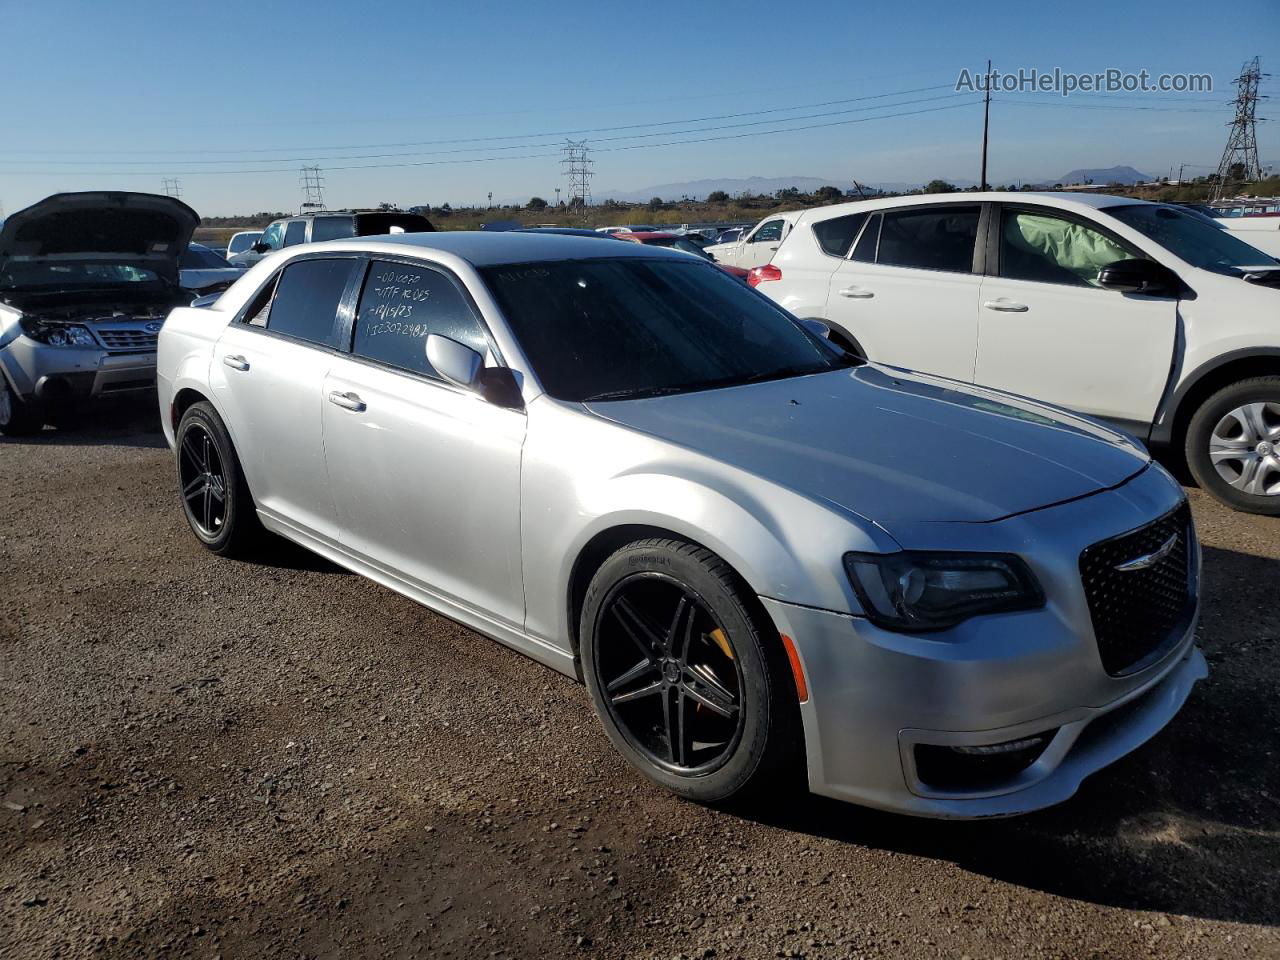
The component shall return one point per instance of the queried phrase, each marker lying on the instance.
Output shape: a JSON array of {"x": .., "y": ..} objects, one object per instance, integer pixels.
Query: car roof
[
  {"x": 1063, "y": 199},
  {"x": 485, "y": 249}
]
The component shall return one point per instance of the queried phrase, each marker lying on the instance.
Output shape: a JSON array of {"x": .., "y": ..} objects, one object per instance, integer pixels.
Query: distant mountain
[
  {"x": 698, "y": 189},
  {"x": 1104, "y": 175}
]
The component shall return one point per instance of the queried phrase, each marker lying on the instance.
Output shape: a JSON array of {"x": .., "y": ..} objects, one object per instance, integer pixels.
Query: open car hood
[{"x": 139, "y": 229}]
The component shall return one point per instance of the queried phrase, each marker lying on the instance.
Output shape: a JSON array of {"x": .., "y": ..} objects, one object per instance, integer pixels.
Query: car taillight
[{"x": 759, "y": 275}]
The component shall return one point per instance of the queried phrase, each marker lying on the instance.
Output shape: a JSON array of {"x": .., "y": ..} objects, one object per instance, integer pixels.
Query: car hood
[
  {"x": 890, "y": 445},
  {"x": 140, "y": 229}
]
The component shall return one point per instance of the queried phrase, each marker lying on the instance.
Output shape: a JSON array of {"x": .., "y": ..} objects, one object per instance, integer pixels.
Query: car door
[
  {"x": 426, "y": 475},
  {"x": 268, "y": 376},
  {"x": 760, "y": 245},
  {"x": 1047, "y": 330},
  {"x": 908, "y": 293}
]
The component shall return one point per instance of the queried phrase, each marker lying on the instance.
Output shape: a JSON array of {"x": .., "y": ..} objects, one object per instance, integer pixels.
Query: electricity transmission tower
[
  {"x": 1239, "y": 162},
  {"x": 312, "y": 189},
  {"x": 172, "y": 187},
  {"x": 577, "y": 167}
]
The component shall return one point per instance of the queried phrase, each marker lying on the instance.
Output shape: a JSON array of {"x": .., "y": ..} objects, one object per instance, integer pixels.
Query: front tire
[
  {"x": 215, "y": 496},
  {"x": 1233, "y": 445},
  {"x": 688, "y": 675},
  {"x": 17, "y": 418}
]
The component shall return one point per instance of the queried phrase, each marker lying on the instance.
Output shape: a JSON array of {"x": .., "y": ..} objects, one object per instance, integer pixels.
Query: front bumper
[
  {"x": 49, "y": 374},
  {"x": 875, "y": 694}
]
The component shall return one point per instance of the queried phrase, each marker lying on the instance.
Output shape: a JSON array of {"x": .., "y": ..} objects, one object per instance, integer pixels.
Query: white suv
[{"x": 1142, "y": 314}]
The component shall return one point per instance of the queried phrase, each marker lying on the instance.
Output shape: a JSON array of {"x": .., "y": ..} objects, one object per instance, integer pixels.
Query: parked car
[
  {"x": 201, "y": 271},
  {"x": 759, "y": 244},
  {"x": 1141, "y": 314},
  {"x": 242, "y": 241},
  {"x": 661, "y": 483},
  {"x": 568, "y": 232},
  {"x": 627, "y": 228},
  {"x": 86, "y": 280},
  {"x": 330, "y": 225},
  {"x": 1262, "y": 232},
  {"x": 684, "y": 245}
]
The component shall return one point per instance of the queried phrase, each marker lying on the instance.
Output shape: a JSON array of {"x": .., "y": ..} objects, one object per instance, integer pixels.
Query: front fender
[{"x": 583, "y": 477}]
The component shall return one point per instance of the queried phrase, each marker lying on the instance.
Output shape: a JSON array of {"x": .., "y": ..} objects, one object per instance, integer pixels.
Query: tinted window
[
  {"x": 1048, "y": 249},
  {"x": 940, "y": 238},
  {"x": 836, "y": 236},
  {"x": 865, "y": 251},
  {"x": 630, "y": 327},
  {"x": 770, "y": 232},
  {"x": 306, "y": 300},
  {"x": 295, "y": 232},
  {"x": 242, "y": 241},
  {"x": 332, "y": 228},
  {"x": 401, "y": 305},
  {"x": 1200, "y": 244},
  {"x": 201, "y": 258}
]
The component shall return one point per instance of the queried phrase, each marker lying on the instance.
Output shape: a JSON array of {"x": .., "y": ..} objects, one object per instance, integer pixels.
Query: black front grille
[{"x": 1137, "y": 612}]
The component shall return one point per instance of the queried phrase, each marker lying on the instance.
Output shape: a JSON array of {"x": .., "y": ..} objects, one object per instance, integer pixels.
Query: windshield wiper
[{"x": 635, "y": 393}]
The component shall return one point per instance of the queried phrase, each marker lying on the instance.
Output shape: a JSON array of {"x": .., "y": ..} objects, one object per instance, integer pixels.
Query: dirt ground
[{"x": 206, "y": 758}]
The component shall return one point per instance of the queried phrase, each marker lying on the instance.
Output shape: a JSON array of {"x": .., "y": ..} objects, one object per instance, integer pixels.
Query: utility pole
[
  {"x": 1241, "y": 151},
  {"x": 490, "y": 199},
  {"x": 312, "y": 184},
  {"x": 986, "y": 121}
]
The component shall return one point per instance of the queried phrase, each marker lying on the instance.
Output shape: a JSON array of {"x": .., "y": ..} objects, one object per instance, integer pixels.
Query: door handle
[
  {"x": 348, "y": 401},
  {"x": 857, "y": 293},
  {"x": 236, "y": 362},
  {"x": 1005, "y": 305}
]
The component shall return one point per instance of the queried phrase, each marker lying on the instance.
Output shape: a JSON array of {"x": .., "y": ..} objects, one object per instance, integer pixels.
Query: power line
[
  {"x": 537, "y": 146},
  {"x": 529, "y": 156}
]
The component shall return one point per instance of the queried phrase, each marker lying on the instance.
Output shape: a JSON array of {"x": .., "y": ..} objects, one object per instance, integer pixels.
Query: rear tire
[
  {"x": 215, "y": 497},
  {"x": 1233, "y": 446},
  {"x": 688, "y": 675},
  {"x": 17, "y": 418}
]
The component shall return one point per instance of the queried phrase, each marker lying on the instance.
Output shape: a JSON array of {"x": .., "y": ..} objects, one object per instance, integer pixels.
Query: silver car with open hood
[{"x": 86, "y": 280}]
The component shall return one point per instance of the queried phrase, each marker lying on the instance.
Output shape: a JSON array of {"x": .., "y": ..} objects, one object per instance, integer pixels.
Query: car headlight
[
  {"x": 932, "y": 591},
  {"x": 58, "y": 335}
]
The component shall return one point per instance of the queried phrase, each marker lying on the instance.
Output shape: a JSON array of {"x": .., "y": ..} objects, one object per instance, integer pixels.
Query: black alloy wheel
[
  {"x": 204, "y": 484},
  {"x": 670, "y": 675},
  {"x": 688, "y": 674}
]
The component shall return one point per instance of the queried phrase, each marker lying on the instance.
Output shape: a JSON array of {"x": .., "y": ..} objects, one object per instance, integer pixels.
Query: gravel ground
[{"x": 206, "y": 758}]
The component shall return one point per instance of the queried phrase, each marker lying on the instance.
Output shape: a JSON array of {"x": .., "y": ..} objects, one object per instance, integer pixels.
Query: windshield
[
  {"x": 631, "y": 327},
  {"x": 1189, "y": 236},
  {"x": 71, "y": 276}
]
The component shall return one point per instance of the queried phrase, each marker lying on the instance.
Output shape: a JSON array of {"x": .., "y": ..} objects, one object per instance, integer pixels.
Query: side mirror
[
  {"x": 817, "y": 328},
  {"x": 454, "y": 361},
  {"x": 1138, "y": 276},
  {"x": 260, "y": 247}
]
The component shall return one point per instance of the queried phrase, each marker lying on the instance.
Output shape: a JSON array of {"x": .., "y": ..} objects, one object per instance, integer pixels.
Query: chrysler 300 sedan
[{"x": 769, "y": 561}]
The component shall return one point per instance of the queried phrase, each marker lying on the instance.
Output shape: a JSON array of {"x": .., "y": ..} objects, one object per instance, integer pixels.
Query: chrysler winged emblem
[{"x": 1148, "y": 560}]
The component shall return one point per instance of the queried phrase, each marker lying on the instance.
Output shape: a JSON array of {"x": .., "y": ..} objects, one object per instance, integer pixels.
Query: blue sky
[{"x": 120, "y": 95}]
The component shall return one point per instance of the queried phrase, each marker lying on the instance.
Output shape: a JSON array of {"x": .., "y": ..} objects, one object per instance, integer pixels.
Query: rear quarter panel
[{"x": 183, "y": 355}]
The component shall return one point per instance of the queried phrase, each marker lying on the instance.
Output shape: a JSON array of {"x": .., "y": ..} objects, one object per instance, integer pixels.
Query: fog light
[{"x": 965, "y": 768}]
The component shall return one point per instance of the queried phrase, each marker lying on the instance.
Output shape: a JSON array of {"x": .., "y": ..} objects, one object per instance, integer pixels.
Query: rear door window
[
  {"x": 305, "y": 301},
  {"x": 836, "y": 236},
  {"x": 934, "y": 238},
  {"x": 295, "y": 232},
  {"x": 332, "y": 228},
  {"x": 865, "y": 251},
  {"x": 401, "y": 305}
]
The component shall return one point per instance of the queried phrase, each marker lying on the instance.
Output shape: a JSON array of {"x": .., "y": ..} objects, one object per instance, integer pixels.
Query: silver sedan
[{"x": 771, "y": 563}]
